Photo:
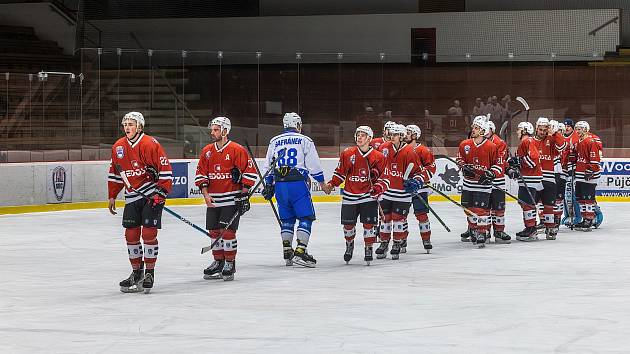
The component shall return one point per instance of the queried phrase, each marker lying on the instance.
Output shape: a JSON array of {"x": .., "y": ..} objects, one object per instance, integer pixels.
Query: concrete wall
[
  {"x": 530, "y": 35},
  {"x": 48, "y": 24}
]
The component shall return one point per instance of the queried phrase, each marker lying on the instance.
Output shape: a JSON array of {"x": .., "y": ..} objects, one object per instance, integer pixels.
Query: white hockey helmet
[
  {"x": 561, "y": 127},
  {"x": 223, "y": 122},
  {"x": 291, "y": 120},
  {"x": 583, "y": 125},
  {"x": 527, "y": 127},
  {"x": 481, "y": 122},
  {"x": 542, "y": 121},
  {"x": 388, "y": 125},
  {"x": 553, "y": 126},
  {"x": 136, "y": 116},
  {"x": 491, "y": 126},
  {"x": 414, "y": 130},
  {"x": 398, "y": 129},
  {"x": 364, "y": 129}
]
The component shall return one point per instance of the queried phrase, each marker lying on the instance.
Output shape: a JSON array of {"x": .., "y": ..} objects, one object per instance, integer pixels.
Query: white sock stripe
[
  {"x": 529, "y": 214},
  {"x": 150, "y": 251},
  {"x": 135, "y": 251},
  {"x": 229, "y": 245},
  {"x": 349, "y": 233},
  {"x": 398, "y": 226},
  {"x": 548, "y": 218},
  {"x": 424, "y": 226},
  {"x": 369, "y": 232}
]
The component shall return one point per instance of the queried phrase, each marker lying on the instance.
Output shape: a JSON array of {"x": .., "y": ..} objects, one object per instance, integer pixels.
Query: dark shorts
[
  {"x": 584, "y": 191},
  {"x": 418, "y": 206},
  {"x": 476, "y": 199},
  {"x": 525, "y": 197},
  {"x": 218, "y": 218},
  {"x": 561, "y": 185},
  {"x": 497, "y": 199},
  {"x": 547, "y": 196},
  {"x": 367, "y": 211},
  {"x": 400, "y": 208},
  {"x": 139, "y": 213}
]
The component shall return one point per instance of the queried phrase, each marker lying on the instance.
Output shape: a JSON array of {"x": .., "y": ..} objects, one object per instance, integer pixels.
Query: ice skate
[
  {"x": 287, "y": 252},
  {"x": 466, "y": 236},
  {"x": 403, "y": 246},
  {"x": 427, "y": 245},
  {"x": 540, "y": 227},
  {"x": 133, "y": 284},
  {"x": 149, "y": 278},
  {"x": 368, "y": 255},
  {"x": 502, "y": 237},
  {"x": 481, "y": 239},
  {"x": 214, "y": 270},
  {"x": 227, "y": 273},
  {"x": 381, "y": 251},
  {"x": 395, "y": 252},
  {"x": 551, "y": 233},
  {"x": 528, "y": 234},
  {"x": 584, "y": 225},
  {"x": 301, "y": 257},
  {"x": 349, "y": 250}
]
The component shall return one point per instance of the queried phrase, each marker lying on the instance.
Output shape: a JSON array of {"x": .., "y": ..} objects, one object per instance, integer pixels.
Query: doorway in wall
[{"x": 423, "y": 46}]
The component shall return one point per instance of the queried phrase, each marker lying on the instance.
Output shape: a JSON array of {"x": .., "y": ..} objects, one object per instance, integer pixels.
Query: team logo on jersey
[
  {"x": 120, "y": 152},
  {"x": 208, "y": 154},
  {"x": 362, "y": 172},
  {"x": 352, "y": 159},
  {"x": 466, "y": 149},
  {"x": 135, "y": 164},
  {"x": 385, "y": 152},
  {"x": 217, "y": 168},
  {"x": 394, "y": 166},
  {"x": 59, "y": 182}
]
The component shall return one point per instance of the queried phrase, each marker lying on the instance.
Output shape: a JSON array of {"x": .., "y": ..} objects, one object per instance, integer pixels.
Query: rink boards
[{"x": 32, "y": 187}]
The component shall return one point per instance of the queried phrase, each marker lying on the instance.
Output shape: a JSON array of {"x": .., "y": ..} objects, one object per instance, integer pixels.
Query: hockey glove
[
  {"x": 468, "y": 171},
  {"x": 268, "y": 191},
  {"x": 412, "y": 185},
  {"x": 158, "y": 198},
  {"x": 377, "y": 190},
  {"x": 236, "y": 175},
  {"x": 513, "y": 173},
  {"x": 241, "y": 201},
  {"x": 514, "y": 162},
  {"x": 589, "y": 175},
  {"x": 153, "y": 174},
  {"x": 487, "y": 177}
]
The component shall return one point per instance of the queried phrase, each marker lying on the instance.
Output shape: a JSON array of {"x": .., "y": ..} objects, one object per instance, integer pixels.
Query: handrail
[
  {"x": 612, "y": 20},
  {"x": 168, "y": 84}
]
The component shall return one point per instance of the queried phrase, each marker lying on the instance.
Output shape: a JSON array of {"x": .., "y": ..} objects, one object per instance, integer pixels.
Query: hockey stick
[
  {"x": 493, "y": 186},
  {"x": 119, "y": 169},
  {"x": 253, "y": 190},
  {"x": 273, "y": 163},
  {"x": 425, "y": 203},
  {"x": 505, "y": 124}
]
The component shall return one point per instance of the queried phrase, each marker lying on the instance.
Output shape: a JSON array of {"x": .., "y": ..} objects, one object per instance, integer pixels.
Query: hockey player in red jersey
[
  {"x": 420, "y": 209},
  {"x": 377, "y": 142},
  {"x": 525, "y": 167},
  {"x": 556, "y": 131},
  {"x": 587, "y": 173},
  {"x": 477, "y": 158},
  {"x": 549, "y": 147},
  {"x": 359, "y": 167},
  {"x": 145, "y": 165},
  {"x": 224, "y": 175},
  {"x": 497, "y": 195},
  {"x": 396, "y": 189}
]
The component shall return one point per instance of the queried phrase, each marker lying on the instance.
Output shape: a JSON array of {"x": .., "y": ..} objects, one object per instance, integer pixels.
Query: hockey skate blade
[
  {"x": 527, "y": 239},
  {"x": 147, "y": 290},
  {"x": 131, "y": 290},
  {"x": 481, "y": 245},
  {"x": 212, "y": 277},
  {"x": 228, "y": 278},
  {"x": 288, "y": 262},
  {"x": 303, "y": 264}
]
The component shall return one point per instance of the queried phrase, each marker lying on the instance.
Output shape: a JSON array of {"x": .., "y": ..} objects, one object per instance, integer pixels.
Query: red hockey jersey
[
  {"x": 588, "y": 158},
  {"x": 134, "y": 158},
  {"x": 427, "y": 159},
  {"x": 396, "y": 163},
  {"x": 482, "y": 157},
  {"x": 376, "y": 143},
  {"x": 549, "y": 150},
  {"x": 530, "y": 163},
  {"x": 502, "y": 155},
  {"x": 359, "y": 171},
  {"x": 215, "y": 171}
]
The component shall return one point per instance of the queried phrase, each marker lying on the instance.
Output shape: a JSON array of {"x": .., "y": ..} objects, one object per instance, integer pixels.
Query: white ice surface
[{"x": 59, "y": 291}]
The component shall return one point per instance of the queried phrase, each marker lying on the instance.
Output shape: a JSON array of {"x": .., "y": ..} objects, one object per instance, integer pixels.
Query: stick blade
[{"x": 523, "y": 102}]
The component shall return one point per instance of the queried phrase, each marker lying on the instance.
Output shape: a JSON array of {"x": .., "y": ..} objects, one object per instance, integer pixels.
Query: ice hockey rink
[{"x": 61, "y": 270}]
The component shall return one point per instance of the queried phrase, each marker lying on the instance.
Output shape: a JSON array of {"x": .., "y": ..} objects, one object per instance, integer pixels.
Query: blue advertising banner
[
  {"x": 615, "y": 179},
  {"x": 180, "y": 180}
]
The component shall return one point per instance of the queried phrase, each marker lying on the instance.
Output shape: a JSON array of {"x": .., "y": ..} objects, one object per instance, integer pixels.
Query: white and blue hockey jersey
[{"x": 296, "y": 158}]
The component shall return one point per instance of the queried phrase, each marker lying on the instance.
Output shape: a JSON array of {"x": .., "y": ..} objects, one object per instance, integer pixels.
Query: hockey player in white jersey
[{"x": 296, "y": 159}]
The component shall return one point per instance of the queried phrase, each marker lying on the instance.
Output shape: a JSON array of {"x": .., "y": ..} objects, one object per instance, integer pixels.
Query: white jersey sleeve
[{"x": 294, "y": 151}]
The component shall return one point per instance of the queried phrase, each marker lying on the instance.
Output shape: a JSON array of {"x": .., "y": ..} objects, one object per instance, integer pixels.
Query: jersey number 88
[{"x": 290, "y": 159}]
